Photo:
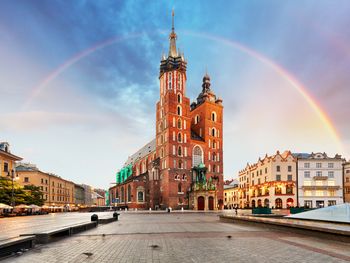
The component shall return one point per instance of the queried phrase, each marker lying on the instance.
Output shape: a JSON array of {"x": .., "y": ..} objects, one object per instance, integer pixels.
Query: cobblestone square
[{"x": 185, "y": 237}]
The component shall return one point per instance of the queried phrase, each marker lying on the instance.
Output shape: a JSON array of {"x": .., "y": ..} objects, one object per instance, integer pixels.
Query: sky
[{"x": 79, "y": 79}]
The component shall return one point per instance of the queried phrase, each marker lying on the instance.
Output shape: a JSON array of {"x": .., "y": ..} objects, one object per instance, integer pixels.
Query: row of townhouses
[
  {"x": 289, "y": 179},
  {"x": 57, "y": 191}
]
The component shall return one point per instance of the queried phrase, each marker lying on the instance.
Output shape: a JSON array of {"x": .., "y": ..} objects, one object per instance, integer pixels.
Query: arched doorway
[
  {"x": 253, "y": 203},
  {"x": 290, "y": 202},
  {"x": 211, "y": 203},
  {"x": 266, "y": 203},
  {"x": 278, "y": 203},
  {"x": 259, "y": 203},
  {"x": 201, "y": 203}
]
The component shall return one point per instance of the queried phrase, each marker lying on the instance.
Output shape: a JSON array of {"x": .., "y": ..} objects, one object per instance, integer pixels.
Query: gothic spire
[{"x": 172, "y": 38}]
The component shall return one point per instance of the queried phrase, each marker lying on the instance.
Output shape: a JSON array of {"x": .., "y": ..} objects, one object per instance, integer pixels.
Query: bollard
[
  {"x": 94, "y": 218},
  {"x": 116, "y": 216},
  {"x": 182, "y": 209},
  {"x": 126, "y": 209}
]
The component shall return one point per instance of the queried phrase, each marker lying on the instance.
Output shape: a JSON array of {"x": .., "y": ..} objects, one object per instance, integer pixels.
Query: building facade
[
  {"x": 271, "y": 182},
  {"x": 231, "y": 190},
  {"x": 346, "y": 181},
  {"x": 183, "y": 166},
  {"x": 320, "y": 180},
  {"x": 56, "y": 190},
  {"x": 79, "y": 195},
  {"x": 7, "y": 161}
]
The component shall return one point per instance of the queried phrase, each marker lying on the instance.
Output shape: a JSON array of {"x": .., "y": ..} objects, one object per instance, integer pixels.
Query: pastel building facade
[
  {"x": 346, "y": 180},
  {"x": 271, "y": 182},
  {"x": 231, "y": 189},
  {"x": 320, "y": 180}
]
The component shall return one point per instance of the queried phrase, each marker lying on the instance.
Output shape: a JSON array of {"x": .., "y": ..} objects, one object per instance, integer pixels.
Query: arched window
[
  {"x": 162, "y": 153},
  {"x": 197, "y": 156},
  {"x": 179, "y": 151},
  {"x": 196, "y": 119},
  {"x": 179, "y": 125},
  {"x": 129, "y": 193},
  {"x": 169, "y": 80},
  {"x": 213, "y": 116},
  {"x": 179, "y": 110},
  {"x": 122, "y": 194},
  {"x": 214, "y": 168},
  {"x": 184, "y": 177},
  {"x": 214, "y": 157},
  {"x": 214, "y": 144},
  {"x": 179, "y": 99},
  {"x": 179, "y": 137},
  {"x": 179, "y": 188},
  {"x": 140, "y": 194},
  {"x": 213, "y": 131},
  {"x": 179, "y": 81}
]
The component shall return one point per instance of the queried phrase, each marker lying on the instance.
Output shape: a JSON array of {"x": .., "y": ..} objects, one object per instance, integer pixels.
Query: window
[
  {"x": 318, "y": 165},
  {"x": 197, "y": 156},
  {"x": 306, "y": 174},
  {"x": 348, "y": 171},
  {"x": 278, "y": 177},
  {"x": 307, "y": 183},
  {"x": 179, "y": 99},
  {"x": 129, "y": 193},
  {"x": 289, "y": 168},
  {"x": 184, "y": 177},
  {"x": 290, "y": 177},
  {"x": 331, "y": 174},
  {"x": 140, "y": 196},
  {"x": 318, "y": 173},
  {"x": 179, "y": 110},
  {"x": 278, "y": 168},
  {"x": 331, "y": 183},
  {"x": 306, "y": 165},
  {"x": 266, "y": 170},
  {"x": 179, "y": 151},
  {"x": 213, "y": 132},
  {"x": 330, "y": 165},
  {"x": 319, "y": 193},
  {"x": 307, "y": 193},
  {"x": 347, "y": 179},
  {"x": 319, "y": 183},
  {"x": 179, "y": 137},
  {"x": 169, "y": 80},
  {"x": 213, "y": 116},
  {"x": 179, "y": 188},
  {"x": 180, "y": 164},
  {"x": 179, "y": 126},
  {"x": 196, "y": 119},
  {"x": 6, "y": 167}
]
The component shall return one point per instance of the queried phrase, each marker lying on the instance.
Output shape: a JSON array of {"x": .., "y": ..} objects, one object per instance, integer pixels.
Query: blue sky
[{"x": 85, "y": 122}]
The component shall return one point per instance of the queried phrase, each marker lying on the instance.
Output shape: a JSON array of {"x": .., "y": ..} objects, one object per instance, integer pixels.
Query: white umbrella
[
  {"x": 22, "y": 207},
  {"x": 5, "y": 206}
]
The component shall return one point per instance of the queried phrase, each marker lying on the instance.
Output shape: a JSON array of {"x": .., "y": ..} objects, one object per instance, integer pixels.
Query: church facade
[{"x": 183, "y": 166}]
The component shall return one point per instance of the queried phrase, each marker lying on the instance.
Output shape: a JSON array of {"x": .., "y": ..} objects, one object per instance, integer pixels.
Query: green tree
[
  {"x": 34, "y": 195},
  {"x": 6, "y": 192}
]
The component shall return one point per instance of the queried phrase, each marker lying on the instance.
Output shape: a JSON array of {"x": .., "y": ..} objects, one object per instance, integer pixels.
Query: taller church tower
[{"x": 173, "y": 131}]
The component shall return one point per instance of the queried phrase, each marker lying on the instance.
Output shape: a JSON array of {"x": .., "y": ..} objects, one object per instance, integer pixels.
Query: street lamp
[{"x": 12, "y": 174}]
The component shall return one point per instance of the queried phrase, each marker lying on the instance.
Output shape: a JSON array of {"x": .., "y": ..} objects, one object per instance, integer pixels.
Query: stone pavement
[
  {"x": 15, "y": 226},
  {"x": 185, "y": 237}
]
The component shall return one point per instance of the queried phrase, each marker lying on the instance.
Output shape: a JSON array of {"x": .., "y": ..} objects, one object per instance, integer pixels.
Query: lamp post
[{"x": 12, "y": 174}]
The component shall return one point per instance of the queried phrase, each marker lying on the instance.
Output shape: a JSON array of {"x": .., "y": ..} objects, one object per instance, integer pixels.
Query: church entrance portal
[{"x": 201, "y": 203}]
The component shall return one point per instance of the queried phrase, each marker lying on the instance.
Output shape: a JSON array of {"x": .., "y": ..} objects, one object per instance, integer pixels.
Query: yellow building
[
  {"x": 56, "y": 190},
  {"x": 271, "y": 182},
  {"x": 7, "y": 160},
  {"x": 231, "y": 194}
]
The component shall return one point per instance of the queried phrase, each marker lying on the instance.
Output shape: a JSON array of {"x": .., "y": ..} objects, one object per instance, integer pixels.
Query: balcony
[
  {"x": 320, "y": 187},
  {"x": 320, "y": 177}
]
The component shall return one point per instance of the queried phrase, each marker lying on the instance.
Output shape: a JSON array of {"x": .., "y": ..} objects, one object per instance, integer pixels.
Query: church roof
[{"x": 144, "y": 151}]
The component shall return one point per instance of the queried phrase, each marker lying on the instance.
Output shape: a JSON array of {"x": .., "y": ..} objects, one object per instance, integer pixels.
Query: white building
[
  {"x": 231, "y": 194},
  {"x": 320, "y": 180}
]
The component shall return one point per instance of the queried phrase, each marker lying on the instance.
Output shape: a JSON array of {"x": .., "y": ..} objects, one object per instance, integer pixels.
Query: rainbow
[{"x": 300, "y": 88}]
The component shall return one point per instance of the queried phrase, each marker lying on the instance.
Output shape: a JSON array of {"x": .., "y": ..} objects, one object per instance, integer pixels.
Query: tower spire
[{"x": 172, "y": 38}]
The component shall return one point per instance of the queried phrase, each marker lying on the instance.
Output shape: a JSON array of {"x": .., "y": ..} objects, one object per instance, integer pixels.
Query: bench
[{"x": 12, "y": 245}]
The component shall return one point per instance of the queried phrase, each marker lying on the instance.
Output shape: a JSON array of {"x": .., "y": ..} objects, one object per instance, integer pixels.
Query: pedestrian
[{"x": 236, "y": 210}]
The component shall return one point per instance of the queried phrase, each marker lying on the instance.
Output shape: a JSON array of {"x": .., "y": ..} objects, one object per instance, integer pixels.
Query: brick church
[{"x": 183, "y": 166}]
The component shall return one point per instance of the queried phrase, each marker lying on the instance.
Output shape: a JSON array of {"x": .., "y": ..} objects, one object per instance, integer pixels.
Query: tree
[
  {"x": 28, "y": 194},
  {"x": 34, "y": 195}
]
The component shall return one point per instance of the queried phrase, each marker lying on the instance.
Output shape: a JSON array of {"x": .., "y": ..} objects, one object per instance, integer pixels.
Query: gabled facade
[
  {"x": 183, "y": 166},
  {"x": 271, "y": 182}
]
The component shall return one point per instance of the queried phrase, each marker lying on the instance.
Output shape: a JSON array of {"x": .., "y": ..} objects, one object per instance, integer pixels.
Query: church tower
[{"x": 173, "y": 131}]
